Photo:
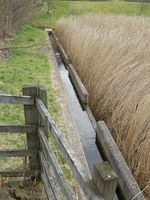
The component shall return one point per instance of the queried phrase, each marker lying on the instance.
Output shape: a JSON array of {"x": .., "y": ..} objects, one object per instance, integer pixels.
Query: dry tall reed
[{"x": 112, "y": 57}]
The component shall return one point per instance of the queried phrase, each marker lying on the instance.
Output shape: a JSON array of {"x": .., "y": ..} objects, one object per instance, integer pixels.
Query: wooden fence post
[
  {"x": 31, "y": 118},
  {"x": 43, "y": 96},
  {"x": 105, "y": 180}
]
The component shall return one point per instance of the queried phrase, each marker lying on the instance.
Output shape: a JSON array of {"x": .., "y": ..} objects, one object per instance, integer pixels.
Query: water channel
[{"x": 82, "y": 121}]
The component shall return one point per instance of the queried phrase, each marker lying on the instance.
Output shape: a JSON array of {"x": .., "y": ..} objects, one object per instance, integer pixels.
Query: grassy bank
[{"x": 25, "y": 66}]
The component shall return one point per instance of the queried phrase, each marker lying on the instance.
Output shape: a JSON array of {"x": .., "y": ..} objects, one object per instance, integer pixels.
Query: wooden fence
[{"x": 38, "y": 123}]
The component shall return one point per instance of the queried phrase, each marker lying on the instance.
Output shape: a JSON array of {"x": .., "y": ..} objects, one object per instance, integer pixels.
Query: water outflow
[{"x": 82, "y": 121}]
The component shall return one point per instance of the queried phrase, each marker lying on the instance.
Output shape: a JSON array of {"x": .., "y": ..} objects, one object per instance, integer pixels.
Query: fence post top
[
  {"x": 29, "y": 86},
  {"x": 37, "y": 88},
  {"x": 41, "y": 87},
  {"x": 105, "y": 171}
]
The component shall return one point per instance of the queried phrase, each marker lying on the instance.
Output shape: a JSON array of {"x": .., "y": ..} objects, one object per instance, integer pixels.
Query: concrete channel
[{"x": 87, "y": 128}]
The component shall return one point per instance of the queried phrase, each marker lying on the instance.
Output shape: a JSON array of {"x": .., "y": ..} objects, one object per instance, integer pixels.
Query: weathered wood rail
[
  {"x": 127, "y": 184},
  {"x": 42, "y": 161}
]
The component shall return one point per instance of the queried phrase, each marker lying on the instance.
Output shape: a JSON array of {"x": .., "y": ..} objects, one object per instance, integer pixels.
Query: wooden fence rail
[
  {"x": 71, "y": 158},
  {"x": 49, "y": 156},
  {"x": 13, "y": 99},
  {"x": 11, "y": 128},
  {"x": 78, "y": 85},
  {"x": 20, "y": 173},
  {"x": 17, "y": 153},
  {"x": 48, "y": 180},
  {"x": 61, "y": 50},
  {"x": 38, "y": 122}
]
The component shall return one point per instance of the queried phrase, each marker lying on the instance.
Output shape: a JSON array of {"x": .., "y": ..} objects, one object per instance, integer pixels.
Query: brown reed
[{"x": 111, "y": 54}]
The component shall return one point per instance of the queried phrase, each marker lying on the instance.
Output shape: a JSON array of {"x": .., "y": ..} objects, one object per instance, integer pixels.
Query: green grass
[
  {"x": 109, "y": 8},
  {"x": 67, "y": 8},
  {"x": 60, "y": 8},
  {"x": 27, "y": 66}
]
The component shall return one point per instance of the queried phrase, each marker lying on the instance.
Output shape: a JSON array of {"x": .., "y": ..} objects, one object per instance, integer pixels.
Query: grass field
[{"x": 67, "y": 8}]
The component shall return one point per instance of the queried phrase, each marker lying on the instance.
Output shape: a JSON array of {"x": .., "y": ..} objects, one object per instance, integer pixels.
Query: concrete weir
[{"x": 89, "y": 129}]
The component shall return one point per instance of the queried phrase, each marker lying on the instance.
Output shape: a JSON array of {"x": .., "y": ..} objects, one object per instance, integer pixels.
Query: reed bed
[{"x": 111, "y": 54}]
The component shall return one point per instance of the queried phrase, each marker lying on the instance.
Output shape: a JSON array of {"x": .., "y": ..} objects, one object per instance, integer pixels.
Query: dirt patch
[
  {"x": 21, "y": 189},
  {"x": 4, "y": 54}
]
